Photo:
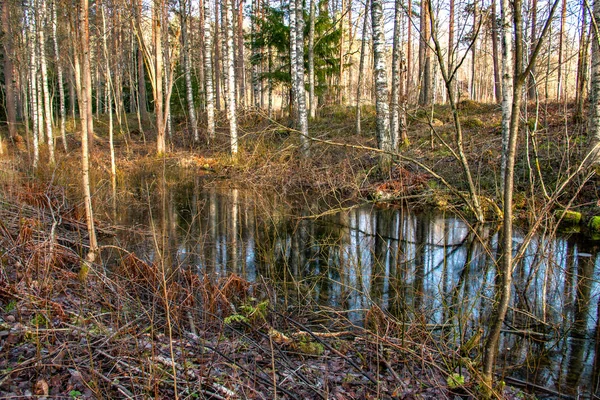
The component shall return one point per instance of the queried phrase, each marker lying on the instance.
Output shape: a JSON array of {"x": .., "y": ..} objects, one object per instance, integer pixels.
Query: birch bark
[
  {"x": 208, "y": 73},
  {"x": 384, "y": 141}
]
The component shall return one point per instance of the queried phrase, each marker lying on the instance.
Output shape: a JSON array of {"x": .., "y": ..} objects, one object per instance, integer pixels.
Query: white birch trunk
[
  {"x": 33, "y": 91},
  {"x": 61, "y": 86},
  {"x": 109, "y": 95},
  {"x": 361, "y": 67},
  {"x": 44, "y": 70},
  {"x": 208, "y": 73},
  {"x": 507, "y": 78},
  {"x": 312, "y": 105},
  {"x": 594, "y": 100},
  {"x": 230, "y": 76},
  {"x": 293, "y": 62},
  {"x": 158, "y": 76},
  {"x": 384, "y": 141},
  {"x": 395, "y": 102},
  {"x": 84, "y": 99},
  {"x": 302, "y": 114},
  {"x": 187, "y": 69}
]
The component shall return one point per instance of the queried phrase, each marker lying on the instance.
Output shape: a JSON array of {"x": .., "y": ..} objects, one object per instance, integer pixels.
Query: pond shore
[{"x": 145, "y": 330}]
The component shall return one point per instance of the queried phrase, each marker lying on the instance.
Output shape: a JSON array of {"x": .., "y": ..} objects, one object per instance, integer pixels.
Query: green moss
[
  {"x": 568, "y": 217},
  {"x": 594, "y": 224},
  {"x": 311, "y": 348}
]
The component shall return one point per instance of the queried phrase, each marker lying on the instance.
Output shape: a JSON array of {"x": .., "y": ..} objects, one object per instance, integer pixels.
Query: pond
[{"x": 427, "y": 268}]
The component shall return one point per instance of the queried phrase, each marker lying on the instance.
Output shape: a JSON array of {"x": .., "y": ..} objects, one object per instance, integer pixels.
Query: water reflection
[{"x": 427, "y": 268}]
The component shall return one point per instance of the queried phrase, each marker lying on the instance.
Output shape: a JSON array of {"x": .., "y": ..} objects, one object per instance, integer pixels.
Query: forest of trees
[
  {"x": 192, "y": 59},
  {"x": 193, "y": 67}
]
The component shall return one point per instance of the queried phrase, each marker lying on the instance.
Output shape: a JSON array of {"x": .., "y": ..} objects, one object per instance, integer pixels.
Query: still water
[{"x": 426, "y": 268}]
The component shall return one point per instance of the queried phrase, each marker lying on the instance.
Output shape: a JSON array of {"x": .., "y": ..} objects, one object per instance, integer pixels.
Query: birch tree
[
  {"x": 397, "y": 118},
  {"x": 361, "y": 67},
  {"x": 33, "y": 89},
  {"x": 84, "y": 99},
  {"x": 301, "y": 91},
  {"x": 59, "y": 72},
  {"x": 312, "y": 105},
  {"x": 41, "y": 22},
  {"x": 11, "y": 112},
  {"x": 593, "y": 126},
  {"x": 506, "y": 265},
  {"x": 208, "y": 73},
  {"x": 183, "y": 11},
  {"x": 228, "y": 59},
  {"x": 382, "y": 129}
]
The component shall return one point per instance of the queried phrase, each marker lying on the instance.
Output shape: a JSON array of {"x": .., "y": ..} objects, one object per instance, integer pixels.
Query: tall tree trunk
[
  {"x": 506, "y": 262},
  {"x": 451, "y": 36},
  {"x": 582, "y": 65},
  {"x": 396, "y": 121},
  {"x": 86, "y": 113},
  {"x": 425, "y": 56},
  {"x": 531, "y": 89},
  {"x": 474, "y": 33},
  {"x": 302, "y": 114},
  {"x": 312, "y": 105},
  {"x": 217, "y": 67},
  {"x": 293, "y": 64},
  {"x": 208, "y": 73},
  {"x": 33, "y": 72},
  {"x": 41, "y": 21},
  {"x": 361, "y": 66},
  {"x": 142, "y": 96},
  {"x": 409, "y": 51},
  {"x": 559, "y": 81},
  {"x": 495, "y": 55},
  {"x": 158, "y": 88},
  {"x": 507, "y": 79},
  {"x": 593, "y": 128},
  {"x": 59, "y": 68},
  {"x": 256, "y": 82},
  {"x": 241, "y": 67},
  {"x": 228, "y": 59},
  {"x": 183, "y": 9},
  {"x": 9, "y": 105},
  {"x": 384, "y": 140},
  {"x": 109, "y": 93}
]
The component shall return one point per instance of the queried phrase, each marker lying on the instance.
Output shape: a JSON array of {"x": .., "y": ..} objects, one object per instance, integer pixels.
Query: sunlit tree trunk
[
  {"x": 110, "y": 96},
  {"x": 217, "y": 67},
  {"x": 533, "y": 40},
  {"x": 84, "y": 99},
  {"x": 495, "y": 55},
  {"x": 474, "y": 51},
  {"x": 9, "y": 97},
  {"x": 593, "y": 128},
  {"x": 384, "y": 141},
  {"x": 561, "y": 40},
  {"x": 425, "y": 56},
  {"x": 33, "y": 89},
  {"x": 312, "y": 105},
  {"x": 183, "y": 9},
  {"x": 582, "y": 66},
  {"x": 506, "y": 262},
  {"x": 228, "y": 59},
  {"x": 208, "y": 74},
  {"x": 293, "y": 63},
  {"x": 361, "y": 67},
  {"x": 59, "y": 71},
  {"x": 397, "y": 121},
  {"x": 507, "y": 79},
  {"x": 41, "y": 22},
  {"x": 301, "y": 101},
  {"x": 256, "y": 82}
]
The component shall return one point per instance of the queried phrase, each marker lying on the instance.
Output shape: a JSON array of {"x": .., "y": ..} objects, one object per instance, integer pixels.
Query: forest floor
[{"x": 144, "y": 330}]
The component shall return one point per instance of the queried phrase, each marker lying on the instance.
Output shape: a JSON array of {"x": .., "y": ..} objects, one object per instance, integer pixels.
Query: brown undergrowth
[{"x": 108, "y": 335}]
